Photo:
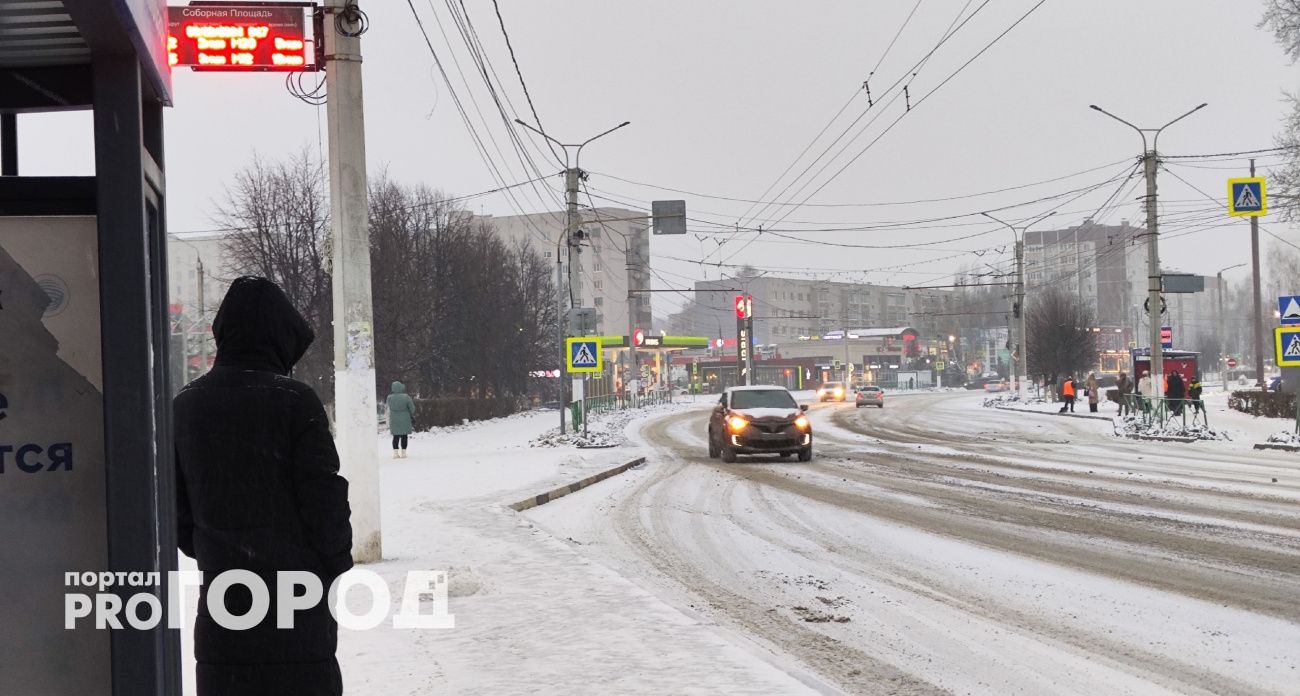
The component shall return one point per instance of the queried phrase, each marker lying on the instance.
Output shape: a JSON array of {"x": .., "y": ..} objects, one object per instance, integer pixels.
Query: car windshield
[
  {"x": 762, "y": 398},
  {"x": 833, "y": 385},
  {"x": 870, "y": 389}
]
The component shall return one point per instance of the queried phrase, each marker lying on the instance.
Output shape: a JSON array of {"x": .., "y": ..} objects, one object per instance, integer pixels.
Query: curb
[
  {"x": 1162, "y": 438},
  {"x": 1276, "y": 446},
  {"x": 1084, "y": 416},
  {"x": 562, "y": 491}
]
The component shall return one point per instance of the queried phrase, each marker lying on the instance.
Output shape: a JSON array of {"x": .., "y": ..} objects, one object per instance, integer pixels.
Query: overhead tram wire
[
  {"x": 484, "y": 63},
  {"x": 485, "y": 71},
  {"x": 480, "y": 147},
  {"x": 1224, "y": 206},
  {"x": 1126, "y": 174},
  {"x": 918, "y": 103},
  {"x": 948, "y": 34},
  {"x": 1109, "y": 165},
  {"x": 524, "y": 85},
  {"x": 837, "y": 115}
]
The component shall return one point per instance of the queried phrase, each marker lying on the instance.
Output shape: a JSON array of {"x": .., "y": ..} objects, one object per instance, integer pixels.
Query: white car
[{"x": 832, "y": 391}]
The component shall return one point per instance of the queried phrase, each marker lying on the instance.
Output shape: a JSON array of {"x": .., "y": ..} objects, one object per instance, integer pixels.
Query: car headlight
[
  {"x": 801, "y": 422},
  {"x": 737, "y": 424}
]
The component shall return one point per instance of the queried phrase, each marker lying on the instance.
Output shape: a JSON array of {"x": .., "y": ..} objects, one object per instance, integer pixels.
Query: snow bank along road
[{"x": 936, "y": 546}]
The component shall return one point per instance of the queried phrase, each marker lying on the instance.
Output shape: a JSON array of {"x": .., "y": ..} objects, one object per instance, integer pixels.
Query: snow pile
[
  {"x": 604, "y": 429},
  {"x": 1135, "y": 425},
  {"x": 1284, "y": 438},
  {"x": 1011, "y": 399}
]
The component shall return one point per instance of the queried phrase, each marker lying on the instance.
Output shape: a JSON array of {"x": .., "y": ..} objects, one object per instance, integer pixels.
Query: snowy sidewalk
[{"x": 532, "y": 616}]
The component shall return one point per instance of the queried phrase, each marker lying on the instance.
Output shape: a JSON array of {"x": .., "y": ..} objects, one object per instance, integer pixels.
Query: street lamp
[
  {"x": 571, "y": 176},
  {"x": 1222, "y": 332},
  {"x": 1021, "y": 362},
  {"x": 1150, "y": 162}
]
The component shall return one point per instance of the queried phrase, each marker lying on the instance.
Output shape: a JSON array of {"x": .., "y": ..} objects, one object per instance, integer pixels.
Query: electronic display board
[{"x": 240, "y": 37}]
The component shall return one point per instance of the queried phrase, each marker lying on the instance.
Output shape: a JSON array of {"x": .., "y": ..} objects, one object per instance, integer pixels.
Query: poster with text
[{"x": 52, "y": 477}]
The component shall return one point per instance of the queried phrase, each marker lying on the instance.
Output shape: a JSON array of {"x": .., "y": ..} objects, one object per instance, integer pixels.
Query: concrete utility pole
[
  {"x": 204, "y": 328},
  {"x": 1150, "y": 162},
  {"x": 631, "y": 258},
  {"x": 1020, "y": 335},
  {"x": 572, "y": 175},
  {"x": 1259, "y": 307},
  {"x": 355, "y": 416},
  {"x": 1223, "y": 332}
]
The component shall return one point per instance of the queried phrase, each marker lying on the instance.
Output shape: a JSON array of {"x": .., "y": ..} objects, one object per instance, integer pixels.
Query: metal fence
[{"x": 1163, "y": 411}]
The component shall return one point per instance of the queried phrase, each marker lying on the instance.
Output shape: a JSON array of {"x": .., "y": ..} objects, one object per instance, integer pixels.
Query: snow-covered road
[{"x": 937, "y": 546}]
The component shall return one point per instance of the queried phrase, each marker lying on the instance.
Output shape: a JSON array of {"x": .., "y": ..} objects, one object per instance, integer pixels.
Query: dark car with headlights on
[{"x": 759, "y": 420}]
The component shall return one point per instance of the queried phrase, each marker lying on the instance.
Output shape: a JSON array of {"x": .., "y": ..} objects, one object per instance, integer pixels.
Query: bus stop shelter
[{"x": 86, "y": 476}]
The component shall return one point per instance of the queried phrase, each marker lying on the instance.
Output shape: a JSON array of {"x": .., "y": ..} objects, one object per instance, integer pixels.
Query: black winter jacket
[{"x": 258, "y": 489}]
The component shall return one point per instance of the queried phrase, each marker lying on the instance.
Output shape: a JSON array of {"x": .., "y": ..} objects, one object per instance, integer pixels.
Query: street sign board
[
  {"x": 584, "y": 354},
  {"x": 940, "y": 365},
  {"x": 1286, "y": 342},
  {"x": 1179, "y": 283},
  {"x": 1232, "y": 363},
  {"x": 1166, "y": 337},
  {"x": 669, "y": 217},
  {"x": 254, "y": 37},
  {"x": 1247, "y": 197},
  {"x": 1288, "y": 309}
]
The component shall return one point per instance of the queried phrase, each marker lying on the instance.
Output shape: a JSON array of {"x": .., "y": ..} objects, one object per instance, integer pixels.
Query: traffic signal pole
[{"x": 355, "y": 415}]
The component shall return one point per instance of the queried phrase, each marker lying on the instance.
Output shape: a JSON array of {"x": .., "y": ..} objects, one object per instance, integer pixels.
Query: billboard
[{"x": 52, "y": 478}]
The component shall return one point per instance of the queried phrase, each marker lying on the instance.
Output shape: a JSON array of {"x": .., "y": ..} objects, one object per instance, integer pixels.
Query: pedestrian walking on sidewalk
[
  {"x": 1067, "y": 395},
  {"x": 1125, "y": 388},
  {"x": 401, "y": 413},
  {"x": 1093, "y": 397},
  {"x": 258, "y": 490}
]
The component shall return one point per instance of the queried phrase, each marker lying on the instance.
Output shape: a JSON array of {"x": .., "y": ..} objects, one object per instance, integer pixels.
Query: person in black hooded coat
[{"x": 258, "y": 489}]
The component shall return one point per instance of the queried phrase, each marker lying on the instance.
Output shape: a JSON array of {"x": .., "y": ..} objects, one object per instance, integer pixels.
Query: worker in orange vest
[{"x": 1067, "y": 395}]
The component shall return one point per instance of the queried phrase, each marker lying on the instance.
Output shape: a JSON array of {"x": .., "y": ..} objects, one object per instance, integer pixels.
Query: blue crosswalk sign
[
  {"x": 585, "y": 354},
  {"x": 1247, "y": 196},
  {"x": 1288, "y": 346}
]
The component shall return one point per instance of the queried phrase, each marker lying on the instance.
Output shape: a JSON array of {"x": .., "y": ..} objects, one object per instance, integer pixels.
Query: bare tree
[
  {"x": 1061, "y": 341},
  {"x": 278, "y": 216},
  {"x": 1282, "y": 17}
]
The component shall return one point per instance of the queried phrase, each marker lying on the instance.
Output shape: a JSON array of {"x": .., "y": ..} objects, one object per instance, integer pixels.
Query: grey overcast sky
[{"x": 722, "y": 96}]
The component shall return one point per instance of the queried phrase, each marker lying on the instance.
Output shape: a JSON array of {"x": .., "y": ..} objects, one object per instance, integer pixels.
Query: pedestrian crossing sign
[
  {"x": 584, "y": 354},
  {"x": 1287, "y": 345},
  {"x": 1247, "y": 197}
]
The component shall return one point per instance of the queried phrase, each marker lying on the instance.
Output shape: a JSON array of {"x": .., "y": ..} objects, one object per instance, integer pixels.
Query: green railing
[
  {"x": 615, "y": 402},
  {"x": 1163, "y": 411}
]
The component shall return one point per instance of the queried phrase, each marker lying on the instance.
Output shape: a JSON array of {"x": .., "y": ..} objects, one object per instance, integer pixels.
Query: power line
[
  {"x": 1109, "y": 165},
  {"x": 531, "y": 107}
]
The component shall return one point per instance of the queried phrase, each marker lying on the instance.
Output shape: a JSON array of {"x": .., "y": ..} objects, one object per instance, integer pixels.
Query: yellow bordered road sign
[
  {"x": 1286, "y": 342},
  {"x": 584, "y": 354},
  {"x": 1247, "y": 197}
]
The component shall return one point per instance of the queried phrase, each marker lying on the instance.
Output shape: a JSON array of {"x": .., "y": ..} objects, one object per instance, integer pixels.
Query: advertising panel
[{"x": 52, "y": 478}]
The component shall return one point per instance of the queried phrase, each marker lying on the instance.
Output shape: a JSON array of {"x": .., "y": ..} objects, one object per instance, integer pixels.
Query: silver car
[{"x": 871, "y": 396}]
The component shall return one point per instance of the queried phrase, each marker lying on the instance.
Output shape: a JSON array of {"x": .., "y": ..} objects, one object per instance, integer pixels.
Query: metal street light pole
[
  {"x": 1223, "y": 334},
  {"x": 572, "y": 174},
  {"x": 1021, "y": 335},
  {"x": 1150, "y": 162}
]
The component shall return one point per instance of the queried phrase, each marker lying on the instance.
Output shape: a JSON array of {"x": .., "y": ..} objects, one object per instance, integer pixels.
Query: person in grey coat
[{"x": 401, "y": 413}]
